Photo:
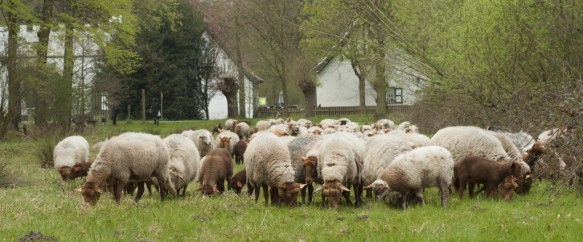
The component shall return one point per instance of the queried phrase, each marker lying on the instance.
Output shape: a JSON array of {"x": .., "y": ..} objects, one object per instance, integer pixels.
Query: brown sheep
[
  {"x": 218, "y": 128},
  {"x": 476, "y": 170},
  {"x": 533, "y": 154},
  {"x": 215, "y": 169},
  {"x": 238, "y": 181},
  {"x": 240, "y": 148},
  {"x": 506, "y": 187}
]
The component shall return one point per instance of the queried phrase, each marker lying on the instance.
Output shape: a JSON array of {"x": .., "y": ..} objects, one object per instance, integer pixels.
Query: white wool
[
  {"x": 262, "y": 125},
  {"x": 184, "y": 159},
  {"x": 202, "y": 138},
  {"x": 464, "y": 141},
  {"x": 337, "y": 159},
  {"x": 232, "y": 142},
  {"x": 267, "y": 161},
  {"x": 70, "y": 151},
  {"x": 380, "y": 151}
]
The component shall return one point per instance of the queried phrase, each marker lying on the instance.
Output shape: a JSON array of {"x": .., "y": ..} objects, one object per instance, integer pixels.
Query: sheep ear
[
  {"x": 528, "y": 177},
  {"x": 79, "y": 189},
  {"x": 97, "y": 189},
  {"x": 302, "y": 185},
  {"x": 368, "y": 187},
  {"x": 319, "y": 189},
  {"x": 215, "y": 190},
  {"x": 239, "y": 185}
]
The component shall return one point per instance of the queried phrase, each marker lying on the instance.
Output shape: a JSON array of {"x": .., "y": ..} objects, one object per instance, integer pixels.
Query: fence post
[
  {"x": 143, "y": 105},
  {"x": 129, "y": 112}
]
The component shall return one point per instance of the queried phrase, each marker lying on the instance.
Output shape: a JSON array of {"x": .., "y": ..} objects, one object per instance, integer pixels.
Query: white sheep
[
  {"x": 68, "y": 152},
  {"x": 305, "y": 123},
  {"x": 385, "y": 124},
  {"x": 268, "y": 164},
  {"x": 329, "y": 123},
  {"x": 202, "y": 138},
  {"x": 262, "y": 125},
  {"x": 184, "y": 163},
  {"x": 243, "y": 130},
  {"x": 420, "y": 168},
  {"x": 128, "y": 157},
  {"x": 315, "y": 130},
  {"x": 380, "y": 151},
  {"x": 230, "y": 124},
  {"x": 227, "y": 140},
  {"x": 340, "y": 158}
]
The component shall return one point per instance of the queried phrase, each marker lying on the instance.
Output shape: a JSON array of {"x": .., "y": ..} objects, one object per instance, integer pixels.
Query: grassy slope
[{"x": 45, "y": 204}]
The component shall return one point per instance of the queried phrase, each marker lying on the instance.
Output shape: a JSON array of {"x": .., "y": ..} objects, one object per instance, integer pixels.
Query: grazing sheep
[
  {"x": 227, "y": 140},
  {"x": 506, "y": 187},
  {"x": 298, "y": 148},
  {"x": 315, "y": 130},
  {"x": 97, "y": 146},
  {"x": 380, "y": 151},
  {"x": 184, "y": 161},
  {"x": 216, "y": 167},
  {"x": 262, "y": 125},
  {"x": 79, "y": 170},
  {"x": 202, "y": 138},
  {"x": 329, "y": 123},
  {"x": 68, "y": 152},
  {"x": 242, "y": 130},
  {"x": 128, "y": 157},
  {"x": 384, "y": 124},
  {"x": 476, "y": 170},
  {"x": 420, "y": 168},
  {"x": 230, "y": 124},
  {"x": 338, "y": 157},
  {"x": 240, "y": 148},
  {"x": 268, "y": 164},
  {"x": 238, "y": 181}
]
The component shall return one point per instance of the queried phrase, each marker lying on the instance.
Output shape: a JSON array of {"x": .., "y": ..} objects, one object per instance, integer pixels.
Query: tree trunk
[
  {"x": 229, "y": 88},
  {"x": 361, "y": 86},
  {"x": 14, "y": 95},
  {"x": 380, "y": 86},
  {"x": 64, "y": 102},
  {"x": 309, "y": 89},
  {"x": 240, "y": 68},
  {"x": 42, "y": 112}
]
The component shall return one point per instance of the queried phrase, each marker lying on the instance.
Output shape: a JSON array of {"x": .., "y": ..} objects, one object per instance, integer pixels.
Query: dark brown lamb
[
  {"x": 476, "y": 170},
  {"x": 215, "y": 169},
  {"x": 79, "y": 170},
  {"x": 238, "y": 181},
  {"x": 240, "y": 148},
  {"x": 506, "y": 188}
]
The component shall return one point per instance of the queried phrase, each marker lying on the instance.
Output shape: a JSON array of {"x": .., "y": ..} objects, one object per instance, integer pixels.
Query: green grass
[{"x": 43, "y": 203}]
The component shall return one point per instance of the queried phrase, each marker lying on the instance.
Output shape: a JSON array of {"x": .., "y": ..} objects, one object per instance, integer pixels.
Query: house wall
[{"x": 339, "y": 85}]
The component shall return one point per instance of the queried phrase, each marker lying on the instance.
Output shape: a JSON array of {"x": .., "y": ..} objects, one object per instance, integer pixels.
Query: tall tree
[{"x": 42, "y": 89}]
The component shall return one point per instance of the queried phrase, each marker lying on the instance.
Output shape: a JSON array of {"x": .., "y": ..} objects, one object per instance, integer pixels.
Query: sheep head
[
  {"x": 333, "y": 190},
  {"x": 507, "y": 187},
  {"x": 91, "y": 193},
  {"x": 294, "y": 129},
  {"x": 524, "y": 184},
  {"x": 218, "y": 128},
  {"x": 225, "y": 142},
  {"x": 235, "y": 185},
  {"x": 65, "y": 171},
  {"x": 310, "y": 164},
  {"x": 379, "y": 187},
  {"x": 204, "y": 139},
  {"x": 288, "y": 192},
  {"x": 208, "y": 189}
]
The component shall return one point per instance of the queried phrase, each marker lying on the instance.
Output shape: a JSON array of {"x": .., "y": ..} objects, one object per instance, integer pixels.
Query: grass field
[{"x": 41, "y": 202}]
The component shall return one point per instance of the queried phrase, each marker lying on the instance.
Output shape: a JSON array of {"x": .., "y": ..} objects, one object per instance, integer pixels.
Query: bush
[{"x": 43, "y": 149}]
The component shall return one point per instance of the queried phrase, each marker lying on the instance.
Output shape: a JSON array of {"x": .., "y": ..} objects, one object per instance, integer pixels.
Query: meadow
[{"x": 39, "y": 201}]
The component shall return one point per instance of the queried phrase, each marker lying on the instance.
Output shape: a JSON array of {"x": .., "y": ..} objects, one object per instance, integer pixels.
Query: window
[{"x": 395, "y": 95}]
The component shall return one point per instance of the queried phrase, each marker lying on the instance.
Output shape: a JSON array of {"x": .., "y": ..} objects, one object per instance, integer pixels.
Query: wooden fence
[{"x": 296, "y": 112}]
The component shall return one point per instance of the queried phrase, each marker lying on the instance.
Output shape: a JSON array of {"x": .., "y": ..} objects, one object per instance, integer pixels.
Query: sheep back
[
  {"x": 184, "y": 162},
  {"x": 267, "y": 161},
  {"x": 298, "y": 148},
  {"x": 380, "y": 151},
  {"x": 216, "y": 167},
  {"x": 68, "y": 152}
]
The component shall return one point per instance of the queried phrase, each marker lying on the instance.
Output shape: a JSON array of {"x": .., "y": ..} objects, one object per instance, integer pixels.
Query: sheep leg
[
  {"x": 444, "y": 189},
  {"x": 419, "y": 195},
  {"x": 303, "y": 193},
  {"x": 250, "y": 189},
  {"x": 310, "y": 192},
  {"x": 471, "y": 189},
  {"x": 274, "y": 196},
  {"x": 118, "y": 190},
  {"x": 265, "y": 193},
  {"x": 257, "y": 190},
  {"x": 346, "y": 196},
  {"x": 461, "y": 186},
  {"x": 221, "y": 185},
  {"x": 149, "y": 186},
  {"x": 140, "y": 191}
]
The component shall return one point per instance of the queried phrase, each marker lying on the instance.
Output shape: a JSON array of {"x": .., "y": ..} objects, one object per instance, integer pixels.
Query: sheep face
[
  {"x": 288, "y": 192},
  {"x": 524, "y": 184},
  {"x": 294, "y": 129},
  {"x": 65, "y": 171},
  {"x": 333, "y": 190},
  {"x": 507, "y": 186},
  {"x": 225, "y": 142},
  {"x": 310, "y": 164},
  {"x": 91, "y": 193},
  {"x": 218, "y": 128},
  {"x": 235, "y": 185},
  {"x": 204, "y": 139},
  {"x": 379, "y": 187},
  {"x": 208, "y": 189}
]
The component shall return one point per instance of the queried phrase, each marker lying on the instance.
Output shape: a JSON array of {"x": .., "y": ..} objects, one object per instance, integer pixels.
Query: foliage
[{"x": 172, "y": 56}]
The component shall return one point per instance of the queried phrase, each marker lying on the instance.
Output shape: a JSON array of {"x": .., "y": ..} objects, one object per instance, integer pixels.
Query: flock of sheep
[{"x": 394, "y": 163}]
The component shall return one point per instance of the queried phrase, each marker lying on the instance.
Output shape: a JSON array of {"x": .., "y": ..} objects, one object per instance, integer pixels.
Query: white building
[{"x": 339, "y": 85}]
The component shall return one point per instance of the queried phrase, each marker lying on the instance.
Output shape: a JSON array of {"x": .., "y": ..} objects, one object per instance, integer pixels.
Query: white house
[{"x": 339, "y": 85}]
